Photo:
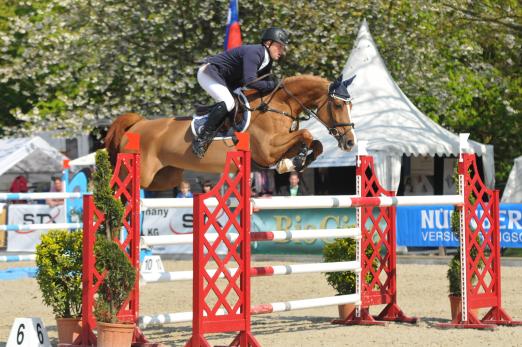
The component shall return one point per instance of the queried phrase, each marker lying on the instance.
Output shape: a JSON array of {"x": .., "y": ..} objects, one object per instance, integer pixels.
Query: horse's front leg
[
  {"x": 317, "y": 149},
  {"x": 294, "y": 145}
]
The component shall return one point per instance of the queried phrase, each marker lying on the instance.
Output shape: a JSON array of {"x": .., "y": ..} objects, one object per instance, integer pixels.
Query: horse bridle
[
  {"x": 263, "y": 107},
  {"x": 333, "y": 129}
]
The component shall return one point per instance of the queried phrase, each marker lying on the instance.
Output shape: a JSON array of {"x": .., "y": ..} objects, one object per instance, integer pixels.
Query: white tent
[
  {"x": 86, "y": 160},
  {"x": 513, "y": 191},
  {"x": 387, "y": 120},
  {"x": 32, "y": 157}
]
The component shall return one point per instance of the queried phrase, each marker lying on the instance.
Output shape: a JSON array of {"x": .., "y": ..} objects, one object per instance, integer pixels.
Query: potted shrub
[
  {"x": 113, "y": 293},
  {"x": 453, "y": 274},
  {"x": 455, "y": 294},
  {"x": 121, "y": 275},
  {"x": 343, "y": 282},
  {"x": 59, "y": 276}
]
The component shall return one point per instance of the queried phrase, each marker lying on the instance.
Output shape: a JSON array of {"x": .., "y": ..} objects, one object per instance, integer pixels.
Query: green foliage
[
  {"x": 59, "y": 274},
  {"x": 454, "y": 270},
  {"x": 67, "y": 66},
  {"x": 340, "y": 250},
  {"x": 453, "y": 275},
  {"x": 104, "y": 198},
  {"x": 118, "y": 282},
  {"x": 120, "y": 274}
]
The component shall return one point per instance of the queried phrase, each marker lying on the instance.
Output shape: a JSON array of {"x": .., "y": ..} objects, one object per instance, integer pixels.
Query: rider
[{"x": 229, "y": 70}]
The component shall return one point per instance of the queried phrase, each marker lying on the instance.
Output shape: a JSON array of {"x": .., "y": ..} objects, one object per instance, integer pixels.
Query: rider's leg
[
  {"x": 225, "y": 103},
  {"x": 215, "y": 87}
]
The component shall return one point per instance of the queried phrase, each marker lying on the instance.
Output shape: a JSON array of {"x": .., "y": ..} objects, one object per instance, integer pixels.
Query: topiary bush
[
  {"x": 453, "y": 274},
  {"x": 59, "y": 273},
  {"x": 104, "y": 198},
  {"x": 118, "y": 282},
  {"x": 110, "y": 258}
]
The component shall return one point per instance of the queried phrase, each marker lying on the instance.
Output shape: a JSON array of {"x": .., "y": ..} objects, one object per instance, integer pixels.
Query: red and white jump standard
[{"x": 219, "y": 308}]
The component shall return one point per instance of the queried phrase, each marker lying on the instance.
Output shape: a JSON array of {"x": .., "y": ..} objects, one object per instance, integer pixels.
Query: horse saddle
[{"x": 237, "y": 120}]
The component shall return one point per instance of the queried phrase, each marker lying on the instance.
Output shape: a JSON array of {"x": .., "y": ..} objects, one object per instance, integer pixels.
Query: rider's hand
[{"x": 274, "y": 80}]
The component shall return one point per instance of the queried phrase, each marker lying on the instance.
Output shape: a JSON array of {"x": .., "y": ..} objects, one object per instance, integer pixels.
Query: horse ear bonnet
[
  {"x": 349, "y": 81},
  {"x": 338, "y": 88}
]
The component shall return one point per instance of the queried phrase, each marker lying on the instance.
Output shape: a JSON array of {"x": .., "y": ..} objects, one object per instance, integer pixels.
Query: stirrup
[{"x": 201, "y": 143}]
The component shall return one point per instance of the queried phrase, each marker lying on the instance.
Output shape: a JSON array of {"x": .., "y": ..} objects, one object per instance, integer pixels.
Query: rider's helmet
[{"x": 276, "y": 35}]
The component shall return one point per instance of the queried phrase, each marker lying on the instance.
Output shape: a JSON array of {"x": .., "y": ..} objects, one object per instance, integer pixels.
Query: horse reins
[
  {"x": 309, "y": 113},
  {"x": 263, "y": 107}
]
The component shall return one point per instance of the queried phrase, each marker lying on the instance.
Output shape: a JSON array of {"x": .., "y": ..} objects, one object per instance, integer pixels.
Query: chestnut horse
[{"x": 166, "y": 142}]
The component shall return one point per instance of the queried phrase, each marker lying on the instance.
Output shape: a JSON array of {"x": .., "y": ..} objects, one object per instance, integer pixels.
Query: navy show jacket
[{"x": 242, "y": 65}]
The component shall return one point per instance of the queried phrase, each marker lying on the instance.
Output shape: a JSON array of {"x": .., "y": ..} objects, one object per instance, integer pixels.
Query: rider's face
[{"x": 276, "y": 50}]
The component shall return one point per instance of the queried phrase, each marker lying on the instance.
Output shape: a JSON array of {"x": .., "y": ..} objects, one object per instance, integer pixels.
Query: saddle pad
[{"x": 198, "y": 121}]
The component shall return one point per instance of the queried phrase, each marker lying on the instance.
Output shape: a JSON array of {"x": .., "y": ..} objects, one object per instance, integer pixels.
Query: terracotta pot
[
  {"x": 68, "y": 329},
  {"x": 115, "y": 334},
  {"x": 456, "y": 307},
  {"x": 345, "y": 310}
]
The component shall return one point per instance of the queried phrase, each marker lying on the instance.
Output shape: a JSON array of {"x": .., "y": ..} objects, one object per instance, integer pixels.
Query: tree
[{"x": 68, "y": 65}]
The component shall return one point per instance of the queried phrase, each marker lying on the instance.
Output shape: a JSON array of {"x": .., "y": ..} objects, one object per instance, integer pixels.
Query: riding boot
[{"x": 215, "y": 118}]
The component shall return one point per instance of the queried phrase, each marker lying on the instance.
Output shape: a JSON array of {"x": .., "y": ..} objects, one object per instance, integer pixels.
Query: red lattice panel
[
  {"x": 378, "y": 253},
  {"x": 223, "y": 305},
  {"x": 480, "y": 248}
]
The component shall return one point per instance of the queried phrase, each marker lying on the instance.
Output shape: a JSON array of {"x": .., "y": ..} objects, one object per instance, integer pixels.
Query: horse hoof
[{"x": 299, "y": 163}]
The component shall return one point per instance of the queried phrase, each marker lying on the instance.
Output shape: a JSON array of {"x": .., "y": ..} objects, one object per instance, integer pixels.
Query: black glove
[
  {"x": 263, "y": 107},
  {"x": 273, "y": 81}
]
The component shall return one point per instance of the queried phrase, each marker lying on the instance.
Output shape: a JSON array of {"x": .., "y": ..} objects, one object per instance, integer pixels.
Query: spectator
[
  {"x": 293, "y": 188},
  {"x": 206, "y": 187},
  {"x": 184, "y": 190},
  {"x": 263, "y": 182},
  {"x": 19, "y": 185},
  {"x": 57, "y": 186}
]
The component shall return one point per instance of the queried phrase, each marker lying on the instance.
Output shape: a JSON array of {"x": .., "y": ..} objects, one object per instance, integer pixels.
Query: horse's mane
[
  {"x": 304, "y": 79},
  {"x": 303, "y": 84}
]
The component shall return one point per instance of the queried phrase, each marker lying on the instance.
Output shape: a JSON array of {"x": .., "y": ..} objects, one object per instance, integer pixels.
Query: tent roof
[
  {"x": 86, "y": 160},
  {"x": 383, "y": 115},
  {"x": 513, "y": 191},
  {"x": 29, "y": 155}
]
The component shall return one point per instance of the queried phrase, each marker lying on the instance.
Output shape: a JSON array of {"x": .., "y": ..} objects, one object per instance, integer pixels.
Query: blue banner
[{"x": 430, "y": 226}]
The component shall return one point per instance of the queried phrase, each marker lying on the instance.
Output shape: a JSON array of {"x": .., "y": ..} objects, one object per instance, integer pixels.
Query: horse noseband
[{"x": 334, "y": 132}]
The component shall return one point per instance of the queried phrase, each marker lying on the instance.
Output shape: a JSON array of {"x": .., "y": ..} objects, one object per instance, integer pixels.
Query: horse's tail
[{"x": 115, "y": 133}]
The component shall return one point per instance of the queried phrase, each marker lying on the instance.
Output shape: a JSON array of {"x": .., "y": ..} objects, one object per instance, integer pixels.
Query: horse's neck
[{"x": 308, "y": 90}]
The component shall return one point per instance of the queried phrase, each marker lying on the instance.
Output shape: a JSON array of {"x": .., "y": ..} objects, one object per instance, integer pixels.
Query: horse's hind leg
[{"x": 166, "y": 178}]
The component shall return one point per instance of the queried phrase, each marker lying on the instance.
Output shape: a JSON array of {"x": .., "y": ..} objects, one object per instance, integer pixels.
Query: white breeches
[{"x": 217, "y": 91}]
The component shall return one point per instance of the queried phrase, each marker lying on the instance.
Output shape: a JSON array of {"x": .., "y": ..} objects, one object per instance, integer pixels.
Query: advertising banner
[
  {"x": 26, "y": 240},
  {"x": 173, "y": 221},
  {"x": 430, "y": 226},
  {"x": 311, "y": 220}
]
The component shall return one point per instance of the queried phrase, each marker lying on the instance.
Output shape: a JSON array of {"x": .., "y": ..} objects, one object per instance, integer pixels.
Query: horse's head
[{"x": 335, "y": 113}]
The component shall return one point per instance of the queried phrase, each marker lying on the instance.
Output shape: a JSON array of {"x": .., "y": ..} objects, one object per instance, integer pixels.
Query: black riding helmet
[{"x": 276, "y": 35}]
